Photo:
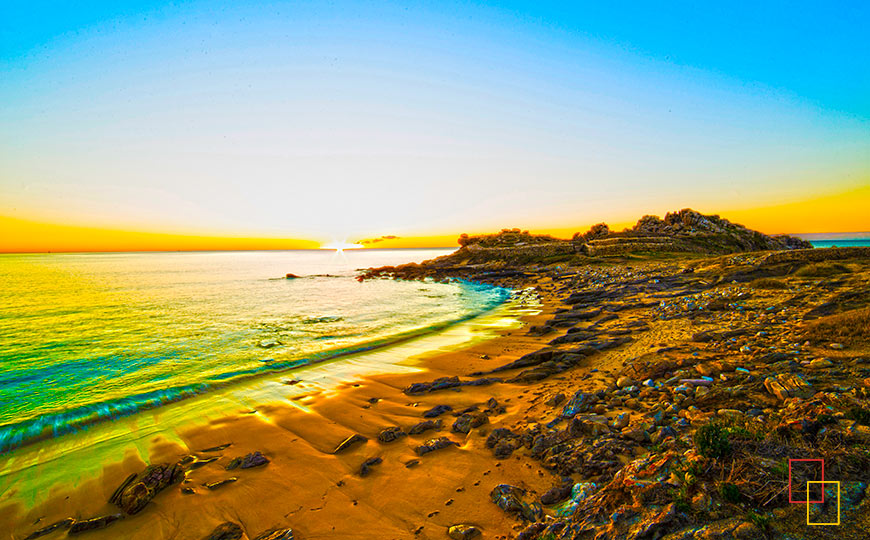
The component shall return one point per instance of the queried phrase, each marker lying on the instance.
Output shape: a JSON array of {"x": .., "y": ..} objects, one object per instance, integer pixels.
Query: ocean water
[
  {"x": 86, "y": 338},
  {"x": 841, "y": 242}
]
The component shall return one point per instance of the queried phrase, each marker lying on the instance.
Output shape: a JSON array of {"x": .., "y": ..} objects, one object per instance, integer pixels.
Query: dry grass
[
  {"x": 823, "y": 269},
  {"x": 849, "y": 326},
  {"x": 769, "y": 283}
]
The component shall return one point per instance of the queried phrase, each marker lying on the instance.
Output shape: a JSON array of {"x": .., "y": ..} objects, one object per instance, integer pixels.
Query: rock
[
  {"x": 138, "y": 490},
  {"x": 503, "y": 450},
  {"x": 497, "y": 435},
  {"x": 344, "y": 445},
  {"x": 94, "y": 523},
  {"x": 276, "y": 534},
  {"x": 747, "y": 531},
  {"x": 463, "y": 532},
  {"x": 434, "y": 444},
  {"x": 366, "y": 467},
  {"x": 186, "y": 490},
  {"x": 556, "y": 400},
  {"x": 220, "y": 483},
  {"x": 557, "y": 494},
  {"x": 469, "y": 421},
  {"x": 624, "y": 381},
  {"x": 509, "y": 499},
  {"x": 437, "y": 410},
  {"x": 621, "y": 421},
  {"x": 390, "y": 434},
  {"x": 62, "y": 524},
  {"x": 820, "y": 363},
  {"x": 249, "y": 461},
  {"x": 291, "y": 276},
  {"x": 580, "y": 403},
  {"x": 638, "y": 435},
  {"x": 217, "y": 448},
  {"x": 268, "y": 343},
  {"x": 425, "y": 426},
  {"x": 226, "y": 531},
  {"x": 837, "y": 346}
]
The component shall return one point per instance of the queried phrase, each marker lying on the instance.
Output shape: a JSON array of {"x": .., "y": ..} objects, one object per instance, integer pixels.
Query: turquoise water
[
  {"x": 91, "y": 337},
  {"x": 842, "y": 242}
]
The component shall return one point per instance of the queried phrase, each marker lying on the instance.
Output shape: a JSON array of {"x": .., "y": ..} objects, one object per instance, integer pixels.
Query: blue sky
[{"x": 330, "y": 119}]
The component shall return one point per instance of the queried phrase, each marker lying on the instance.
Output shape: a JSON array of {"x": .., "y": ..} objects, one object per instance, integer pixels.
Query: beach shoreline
[
  {"x": 602, "y": 391},
  {"x": 77, "y": 502}
]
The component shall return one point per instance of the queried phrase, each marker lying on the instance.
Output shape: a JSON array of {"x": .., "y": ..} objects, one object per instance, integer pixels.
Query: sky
[{"x": 148, "y": 125}]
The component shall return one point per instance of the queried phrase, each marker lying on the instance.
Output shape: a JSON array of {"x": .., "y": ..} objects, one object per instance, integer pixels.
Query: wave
[{"x": 51, "y": 425}]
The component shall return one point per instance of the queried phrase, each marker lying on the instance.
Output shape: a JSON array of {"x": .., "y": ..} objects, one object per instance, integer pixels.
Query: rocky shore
[{"x": 656, "y": 396}]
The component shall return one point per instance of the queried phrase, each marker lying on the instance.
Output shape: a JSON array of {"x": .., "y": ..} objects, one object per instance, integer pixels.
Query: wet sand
[{"x": 307, "y": 487}]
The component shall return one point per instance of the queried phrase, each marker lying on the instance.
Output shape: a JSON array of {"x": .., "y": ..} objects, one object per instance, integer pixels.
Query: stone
[
  {"x": 469, "y": 421},
  {"x": 138, "y": 490},
  {"x": 249, "y": 461},
  {"x": 354, "y": 439},
  {"x": 366, "y": 467},
  {"x": 509, "y": 499},
  {"x": 276, "y": 534},
  {"x": 62, "y": 524},
  {"x": 624, "y": 382},
  {"x": 422, "y": 427},
  {"x": 437, "y": 410},
  {"x": 503, "y": 450},
  {"x": 820, "y": 363},
  {"x": 837, "y": 346},
  {"x": 390, "y": 434},
  {"x": 463, "y": 532},
  {"x": 220, "y": 483},
  {"x": 556, "y": 400},
  {"x": 621, "y": 421},
  {"x": 747, "y": 531},
  {"x": 434, "y": 444},
  {"x": 497, "y": 435},
  {"x": 94, "y": 523},
  {"x": 226, "y": 531},
  {"x": 557, "y": 494}
]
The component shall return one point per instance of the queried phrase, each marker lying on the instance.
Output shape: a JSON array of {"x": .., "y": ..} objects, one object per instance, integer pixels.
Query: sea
[{"x": 92, "y": 337}]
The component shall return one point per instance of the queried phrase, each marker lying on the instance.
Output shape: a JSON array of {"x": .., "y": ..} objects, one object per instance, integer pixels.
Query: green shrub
[
  {"x": 730, "y": 493},
  {"x": 712, "y": 441}
]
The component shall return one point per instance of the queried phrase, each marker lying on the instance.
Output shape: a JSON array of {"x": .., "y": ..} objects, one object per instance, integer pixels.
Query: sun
[{"x": 341, "y": 246}]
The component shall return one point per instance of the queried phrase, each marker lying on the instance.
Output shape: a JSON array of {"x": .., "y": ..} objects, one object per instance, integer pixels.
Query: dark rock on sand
[
  {"x": 425, "y": 426},
  {"x": 558, "y": 493},
  {"x": 62, "y": 524},
  {"x": 137, "y": 491},
  {"x": 356, "y": 438},
  {"x": 226, "y": 531},
  {"x": 469, "y": 421},
  {"x": 437, "y": 410},
  {"x": 220, "y": 483},
  {"x": 366, "y": 467},
  {"x": 434, "y": 444},
  {"x": 463, "y": 532},
  {"x": 217, "y": 448},
  {"x": 254, "y": 459},
  {"x": 444, "y": 383},
  {"x": 509, "y": 499},
  {"x": 276, "y": 534},
  {"x": 94, "y": 523},
  {"x": 390, "y": 434},
  {"x": 497, "y": 435},
  {"x": 197, "y": 463}
]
